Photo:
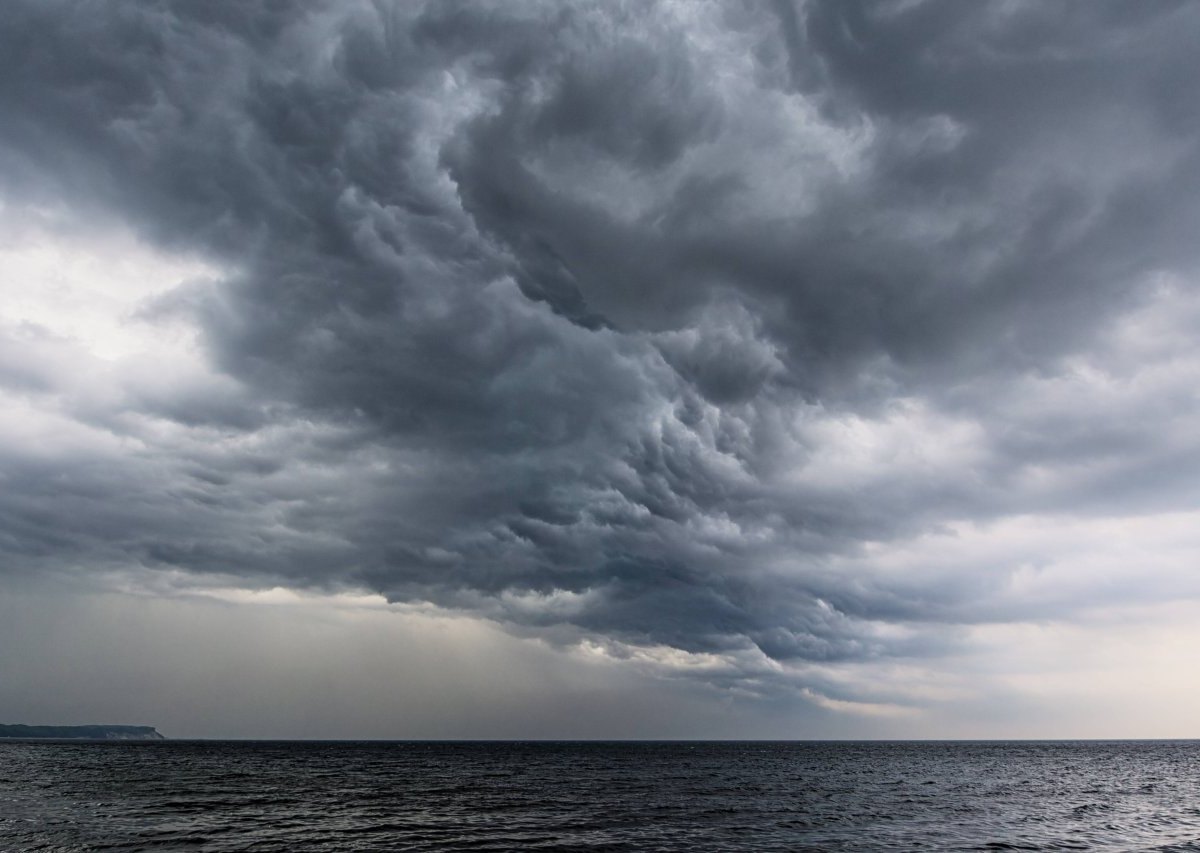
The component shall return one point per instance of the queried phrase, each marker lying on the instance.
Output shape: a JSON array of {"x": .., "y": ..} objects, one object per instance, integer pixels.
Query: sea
[{"x": 592, "y": 796}]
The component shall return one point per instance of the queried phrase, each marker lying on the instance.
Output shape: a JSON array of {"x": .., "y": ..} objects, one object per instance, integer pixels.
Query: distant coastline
[{"x": 17, "y": 731}]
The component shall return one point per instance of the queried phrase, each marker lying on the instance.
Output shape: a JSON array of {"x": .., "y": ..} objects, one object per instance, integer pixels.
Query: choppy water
[{"x": 226, "y": 796}]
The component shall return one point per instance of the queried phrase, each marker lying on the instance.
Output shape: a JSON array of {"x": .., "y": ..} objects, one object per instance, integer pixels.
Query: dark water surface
[{"x": 226, "y": 796}]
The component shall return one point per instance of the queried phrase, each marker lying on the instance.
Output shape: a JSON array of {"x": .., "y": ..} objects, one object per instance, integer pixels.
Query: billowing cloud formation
[{"x": 709, "y": 329}]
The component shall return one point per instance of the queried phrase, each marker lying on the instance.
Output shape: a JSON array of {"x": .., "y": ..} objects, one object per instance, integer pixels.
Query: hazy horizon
[{"x": 730, "y": 369}]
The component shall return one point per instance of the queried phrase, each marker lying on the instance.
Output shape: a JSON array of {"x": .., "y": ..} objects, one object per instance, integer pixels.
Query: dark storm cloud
[{"x": 562, "y": 314}]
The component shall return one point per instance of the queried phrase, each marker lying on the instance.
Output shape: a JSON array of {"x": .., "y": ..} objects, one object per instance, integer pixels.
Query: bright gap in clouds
[{"x": 90, "y": 291}]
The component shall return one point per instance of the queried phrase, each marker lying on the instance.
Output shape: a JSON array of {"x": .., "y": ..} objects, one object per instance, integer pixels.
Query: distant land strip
[{"x": 81, "y": 732}]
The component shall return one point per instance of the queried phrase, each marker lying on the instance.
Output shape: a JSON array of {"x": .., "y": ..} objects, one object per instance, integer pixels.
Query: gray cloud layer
[{"x": 641, "y": 322}]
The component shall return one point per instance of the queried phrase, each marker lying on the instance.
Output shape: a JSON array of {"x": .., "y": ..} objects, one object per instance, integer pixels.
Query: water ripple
[{"x": 234, "y": 796}]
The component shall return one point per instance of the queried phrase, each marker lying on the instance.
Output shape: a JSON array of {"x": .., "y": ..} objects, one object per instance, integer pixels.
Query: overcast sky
[{"x": 514, "y": 368}]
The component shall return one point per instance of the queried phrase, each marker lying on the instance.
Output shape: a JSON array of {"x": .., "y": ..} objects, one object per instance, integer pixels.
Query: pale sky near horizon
[{"x": 615, "y": 369}]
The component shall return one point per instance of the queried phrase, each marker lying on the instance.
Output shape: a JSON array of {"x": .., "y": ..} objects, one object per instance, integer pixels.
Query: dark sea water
[{"x": 226, "y": 796}]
